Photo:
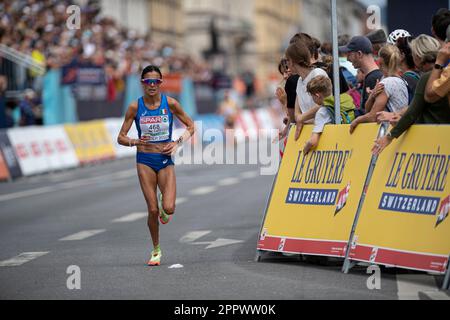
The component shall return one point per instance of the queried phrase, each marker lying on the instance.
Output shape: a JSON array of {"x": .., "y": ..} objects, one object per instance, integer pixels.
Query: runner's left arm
[{"x": 178, "y": 111}]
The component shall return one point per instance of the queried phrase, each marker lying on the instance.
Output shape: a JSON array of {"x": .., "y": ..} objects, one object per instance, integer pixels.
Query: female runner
[{"x": 153, "y": 115}]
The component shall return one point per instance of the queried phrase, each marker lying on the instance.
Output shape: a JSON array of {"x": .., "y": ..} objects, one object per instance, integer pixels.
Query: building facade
[
  {"x": 250, "y": 33},
  {"x": 162, "y": 19},
  {"x": 235, "y": 36},
  {"x": 253, "y": 34}
]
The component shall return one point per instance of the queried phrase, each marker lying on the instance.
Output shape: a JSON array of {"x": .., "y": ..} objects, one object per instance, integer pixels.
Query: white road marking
[
  {"x": 249, "y": 174},
  {"x": 132, "y": 217},
  {"x": 67, "y": 185},
  {"x": 202, "y": 191},
  {"x": 180, "y": 200},
  {"x": 228, "y": 181},
  {"x": 410, "y": 285},
  {"x": 22, "y": 258},
  {"x": 82, "y": 235},
  {"x": 194, "y": 235},
  {"x": 218, "y": 243},
  {"x": 26, "y": 193},
  {"x": 437, "y": 295},
  {"x": 176, "y": 266},
  {"x": 140, "y": 215}
]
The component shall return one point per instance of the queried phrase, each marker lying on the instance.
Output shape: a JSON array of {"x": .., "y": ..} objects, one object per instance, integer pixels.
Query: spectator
[
  {"x": 39, "y": 58},
  {"x": 320, "y": 88},
  {"x": 424, "y": 50},
  {"x": 349, "y": 70},
  {"x": 407, "y": 66},
  {"x": 391, "y": 94},
  {"x": 409, "y": 73},
  {"x": 315, "y": 53},
  {"x": 281, "y": 93},
  {"x": 397, "y": 34},
  {"x": 3, "y": 111},
  {"x": 325, "y": 62},
  {"x": 378, "y": 39},
  {"x": 229, "y": 110},
  {"x": 27, "y": 109},
  {"x": 439, "y": 25},
  {"x": 359, "y": 51},
  {"x": 284, "y": 71},
  {"x": 420, "y": 111},
  {"x": 299, "y": 61},
  {"x": 438, "y": 85},
  {"x": 356, "y": 91},
  {"x": 326, "y": 49},
  {"x": 10, "y": 112},
  {"x": 291, "y": 83}
]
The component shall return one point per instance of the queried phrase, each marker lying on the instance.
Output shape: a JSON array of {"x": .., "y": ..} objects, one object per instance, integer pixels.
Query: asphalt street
[{"x": 95, "y": 218}]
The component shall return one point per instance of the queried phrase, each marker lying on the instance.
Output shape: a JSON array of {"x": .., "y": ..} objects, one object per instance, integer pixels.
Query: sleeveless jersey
[{"x": 154, "y": 126}]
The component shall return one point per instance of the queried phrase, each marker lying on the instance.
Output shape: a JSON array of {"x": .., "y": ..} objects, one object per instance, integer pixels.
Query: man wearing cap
[{"x": 359, "y": 51}]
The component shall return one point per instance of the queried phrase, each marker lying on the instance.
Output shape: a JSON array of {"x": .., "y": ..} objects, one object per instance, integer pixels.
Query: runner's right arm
[{"x": 123, "y": 138}]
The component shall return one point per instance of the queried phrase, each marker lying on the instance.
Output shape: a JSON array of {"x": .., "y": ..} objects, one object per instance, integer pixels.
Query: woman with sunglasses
[{"x": 153, "y": 115}]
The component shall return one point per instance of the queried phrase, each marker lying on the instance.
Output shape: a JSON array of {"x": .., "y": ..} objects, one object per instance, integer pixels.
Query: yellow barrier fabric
[
  {"x": 315, "y": 197},
  {"x": 91, "y": 141},
  {"x": 404, "y": 220}
]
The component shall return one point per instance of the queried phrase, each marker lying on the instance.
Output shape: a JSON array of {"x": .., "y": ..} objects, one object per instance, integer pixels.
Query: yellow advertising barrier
[
  {"x": 315, "y": 197},
  {"x": 404, "y": 219},
  {"x": 91, "y": 141}
]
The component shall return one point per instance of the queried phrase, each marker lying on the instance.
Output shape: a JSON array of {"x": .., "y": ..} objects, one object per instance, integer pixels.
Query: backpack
[
  {"x": 349, "y": 77},
  {"x": 414, "y": 75},
  {"x": 347, "y": 108}
]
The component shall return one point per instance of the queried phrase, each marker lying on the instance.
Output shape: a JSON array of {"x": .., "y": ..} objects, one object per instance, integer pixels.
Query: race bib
[{"x": 155, "y": 128}]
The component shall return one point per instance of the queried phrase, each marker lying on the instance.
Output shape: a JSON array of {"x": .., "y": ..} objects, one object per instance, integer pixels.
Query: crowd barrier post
[
  {"x": 259, "y": 252},
  {"x": 348, "y": 264},
  {"x": 446, "y": 283},
  {"x": 337, "y": 90}
]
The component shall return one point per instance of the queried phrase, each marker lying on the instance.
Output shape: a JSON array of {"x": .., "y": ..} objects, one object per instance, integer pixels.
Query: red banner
[{"x": 172, "y": 83}]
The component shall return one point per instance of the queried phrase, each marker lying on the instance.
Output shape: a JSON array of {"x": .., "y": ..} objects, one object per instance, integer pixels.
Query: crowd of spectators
[
  {"x": 401, "y": 79},
  {"x": 38, "y": 29}
]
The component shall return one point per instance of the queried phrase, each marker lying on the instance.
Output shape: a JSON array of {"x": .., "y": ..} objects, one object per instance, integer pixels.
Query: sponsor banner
[
  {"x": 172, "y": 83},
  {"x": 221, "y": 82},
  {"x": 315, "y": 196},
  {"x": 9, "y": 155},
  {"x": 4, "y": 172},
  {"x": 91, "y": 75},
  {"x": 404, "y": 220},
  {"x": 75, "y": 73},
  {"x": 247, "y": 125},
  {"x": 42, "y": 149},
  {"x": 265, "y": 119},
  {"x": 91, "y": 141},
  {"x": 28, "y": 149},
  {"x": 57, "y": 148},
  {"x": 113, "y": 126}
]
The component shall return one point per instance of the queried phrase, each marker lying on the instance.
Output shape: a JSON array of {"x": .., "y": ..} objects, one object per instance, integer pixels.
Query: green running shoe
[
  {"x": 164, "y": 218},
  {"x": 155, "y": 259}
]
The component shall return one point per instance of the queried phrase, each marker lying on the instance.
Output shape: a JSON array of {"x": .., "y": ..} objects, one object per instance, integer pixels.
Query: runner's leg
[
  {"x": 148, "y": 180},
  {"x": 168, "y": 186}
]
